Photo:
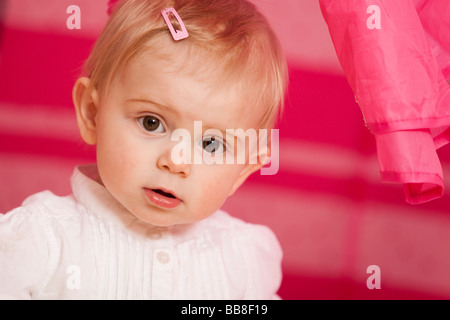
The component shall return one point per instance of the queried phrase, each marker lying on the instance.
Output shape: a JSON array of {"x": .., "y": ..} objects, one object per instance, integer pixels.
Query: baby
[{"x": 145, "y": 221}]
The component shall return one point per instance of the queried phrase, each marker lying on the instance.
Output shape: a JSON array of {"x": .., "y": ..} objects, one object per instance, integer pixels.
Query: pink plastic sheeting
[{"x": 396, "y": 57}]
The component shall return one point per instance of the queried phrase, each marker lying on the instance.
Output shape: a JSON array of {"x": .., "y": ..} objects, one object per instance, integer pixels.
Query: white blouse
[{"x": 87, "y": 246}]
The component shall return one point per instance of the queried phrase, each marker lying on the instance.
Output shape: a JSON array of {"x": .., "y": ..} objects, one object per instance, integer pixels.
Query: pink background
[{"x": 331, "y": 213}]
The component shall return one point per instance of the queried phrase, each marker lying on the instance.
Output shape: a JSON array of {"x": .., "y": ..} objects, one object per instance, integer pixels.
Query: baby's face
[{"x": 135, "y": 122}]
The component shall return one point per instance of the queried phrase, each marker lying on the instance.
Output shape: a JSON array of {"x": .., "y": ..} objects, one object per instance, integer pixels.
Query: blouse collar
[{"x": 99, "y": 202}]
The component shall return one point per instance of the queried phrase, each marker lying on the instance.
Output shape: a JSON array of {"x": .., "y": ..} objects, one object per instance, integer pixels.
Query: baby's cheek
[
  {"x": 118, "y": 170},
  {"x": 217, "y": 189},
  {"x": 122, "y": 156}
]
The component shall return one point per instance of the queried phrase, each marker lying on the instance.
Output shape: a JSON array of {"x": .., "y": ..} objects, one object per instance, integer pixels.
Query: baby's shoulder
[
  {"x": 42, "y": 207},
  {"x": 227, "y": 228},
  {"x": 33, "y": 223},
  {"x": 223, "y": 221},
  {"x": 50, "y": 203},
  {"x": 251, "y": 253}
]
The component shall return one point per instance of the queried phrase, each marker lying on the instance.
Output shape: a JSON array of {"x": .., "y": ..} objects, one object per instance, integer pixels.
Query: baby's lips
[
  {"x": 163, "y": 198},
  {"x": 165, "y": 193}
]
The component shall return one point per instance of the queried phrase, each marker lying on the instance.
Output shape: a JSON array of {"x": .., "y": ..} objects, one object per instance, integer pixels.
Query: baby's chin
[{"x": 153, "y": 215}]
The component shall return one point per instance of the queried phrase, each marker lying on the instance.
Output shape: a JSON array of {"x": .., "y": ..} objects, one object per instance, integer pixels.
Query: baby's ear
[{"x": 86, "y": 102}]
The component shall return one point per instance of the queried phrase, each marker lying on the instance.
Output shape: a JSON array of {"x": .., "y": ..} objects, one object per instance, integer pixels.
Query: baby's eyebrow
[
  {"x": 159, "y": 105},
  {"x": 147, "y": 101},
  {"x": 228, "y": 133},
  {"x": 213, "y": 126}
]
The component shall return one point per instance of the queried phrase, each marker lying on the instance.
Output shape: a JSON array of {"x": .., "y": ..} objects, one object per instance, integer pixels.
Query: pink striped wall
[{"x": 333, "y": 216}]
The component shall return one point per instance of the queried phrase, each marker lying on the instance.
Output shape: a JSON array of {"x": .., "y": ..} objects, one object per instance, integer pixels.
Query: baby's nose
[{"x": 174, "y": 161}]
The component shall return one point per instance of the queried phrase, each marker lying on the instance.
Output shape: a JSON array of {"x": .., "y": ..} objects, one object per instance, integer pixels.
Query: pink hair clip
[
  {"x": 111, "y": 5},
  {"x": 176, "y": 34}
]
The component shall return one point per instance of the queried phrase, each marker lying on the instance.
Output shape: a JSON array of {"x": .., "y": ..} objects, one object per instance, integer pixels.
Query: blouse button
[{"x": 163, "y": 257}]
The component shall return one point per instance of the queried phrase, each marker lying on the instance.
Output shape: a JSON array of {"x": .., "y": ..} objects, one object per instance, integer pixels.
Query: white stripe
[
  {"x": 296, "y": 156},
  {"x": 327, "y": 160}
]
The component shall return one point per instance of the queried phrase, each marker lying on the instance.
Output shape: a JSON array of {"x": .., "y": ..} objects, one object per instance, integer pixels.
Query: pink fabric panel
[
  {"x": 398, "y": 83},
  {"x": 435, "y": 17},
  {"x": 392, "y": 70},
  {"x": 415, "y": 164}
]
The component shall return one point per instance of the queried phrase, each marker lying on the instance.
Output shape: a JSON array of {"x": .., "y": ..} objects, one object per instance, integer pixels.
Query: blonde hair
[{"x": 237, "y": 39}]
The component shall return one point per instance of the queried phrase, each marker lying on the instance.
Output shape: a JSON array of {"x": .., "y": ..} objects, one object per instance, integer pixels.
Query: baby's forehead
[
  {"x": 177, "y": 60},
  {"x": 190, "y": 90},
  {"x": 194, "y": 61}
]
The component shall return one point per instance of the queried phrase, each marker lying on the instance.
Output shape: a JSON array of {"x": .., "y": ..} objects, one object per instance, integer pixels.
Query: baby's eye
[
  {"x": 151, "y": 124},
  {"x": 213, "y": 145}
]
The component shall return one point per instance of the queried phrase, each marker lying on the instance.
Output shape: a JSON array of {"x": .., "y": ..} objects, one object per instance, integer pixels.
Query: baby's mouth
[
  {"x": 163, "y": 198},
  {"x": 166, "y": 194}
]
